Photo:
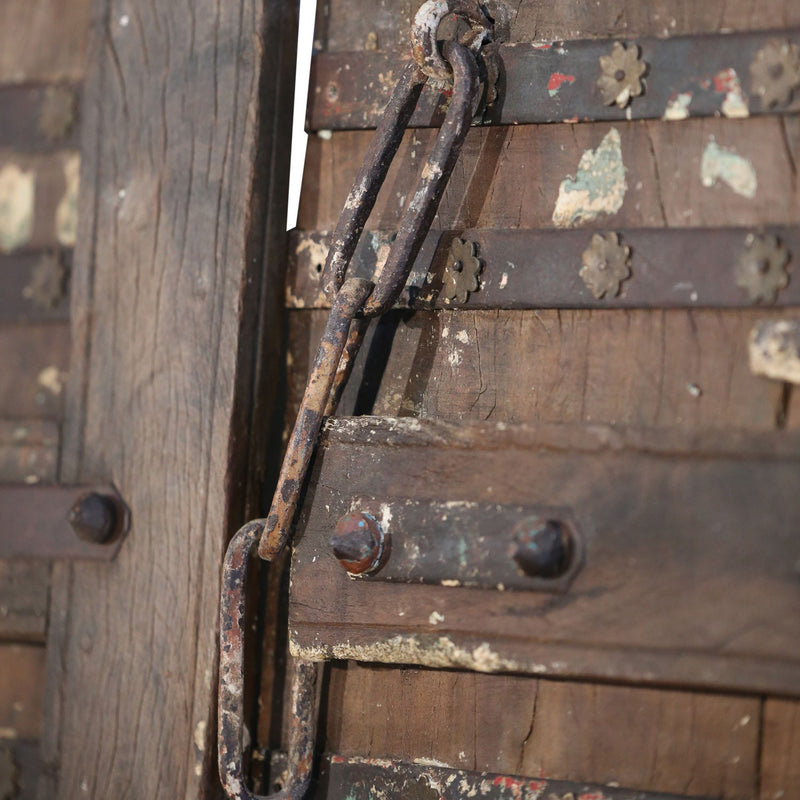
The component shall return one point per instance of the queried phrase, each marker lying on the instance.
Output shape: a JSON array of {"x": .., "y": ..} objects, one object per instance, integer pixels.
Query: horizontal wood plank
[
  {"x": 43, "y": 40},
  {"x": 690, "y": 593},
  {"x": 658, "y": 740},
  {"x": 512, "y": 177},
  {"x": 660, "y": 368},
  {"x": 362, "y": 24},
  {"x": 40, "y": 199},
  {"x": 35, "y": 360},
  {"x": 22, "y": 669}
]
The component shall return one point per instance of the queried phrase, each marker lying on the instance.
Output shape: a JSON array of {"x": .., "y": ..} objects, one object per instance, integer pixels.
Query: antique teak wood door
[
  {"x": 666, "y": 659},
  {"x": 638, "y": 417}
]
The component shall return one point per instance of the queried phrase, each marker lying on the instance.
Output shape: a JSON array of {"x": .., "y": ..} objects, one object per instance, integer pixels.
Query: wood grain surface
[{"x": 165, "y": 336}]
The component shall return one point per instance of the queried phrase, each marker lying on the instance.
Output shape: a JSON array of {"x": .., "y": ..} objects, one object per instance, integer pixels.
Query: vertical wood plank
[
  {"x": 780, "y": 750},
  {"x": 180, "y": 122}
]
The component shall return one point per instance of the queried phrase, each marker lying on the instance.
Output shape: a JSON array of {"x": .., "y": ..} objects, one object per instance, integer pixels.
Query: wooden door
[{"x": 479, "y": 382}]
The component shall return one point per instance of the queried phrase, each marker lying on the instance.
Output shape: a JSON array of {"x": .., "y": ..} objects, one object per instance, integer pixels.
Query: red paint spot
[
  {"x": 592, "y": 796},
  {"x": 726, "y": 81},
  {"x": 537, "y": 786},
  {"x": 541, "y": 45},
  {"x": 557, "y": 79}
]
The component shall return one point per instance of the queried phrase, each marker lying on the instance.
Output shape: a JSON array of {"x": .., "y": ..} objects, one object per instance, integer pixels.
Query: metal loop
[
  {"x": 421, "y": 209},
  {"x": 426, "y": 24},
  {"x": 302, "y": 726}
]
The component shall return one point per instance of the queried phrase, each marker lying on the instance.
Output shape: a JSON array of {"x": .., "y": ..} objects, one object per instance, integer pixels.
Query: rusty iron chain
[{"x": 354, "y": 302}]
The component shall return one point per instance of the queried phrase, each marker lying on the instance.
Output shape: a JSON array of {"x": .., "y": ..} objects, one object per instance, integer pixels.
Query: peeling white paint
[
  {"x": 17, "y": 194},
  {"x": 463, "y": 337},
  {"x": 678, "y": 108},
  {"x": 726, "y": 165},
  {"x": 52, "y": 379},
  {"x": 67, "y": 209},
  {"x": 435, "y": 618},
  {"x": 441, "y": 652},
  {"x": 598, "y": 188}
]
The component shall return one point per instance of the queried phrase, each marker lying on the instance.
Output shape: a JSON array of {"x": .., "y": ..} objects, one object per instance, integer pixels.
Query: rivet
[
  {"x": 775, "y": 72},
  {"x": 541, "y": 548},
  {"x": 621, "y": 75},
  {"x": 95, "y": 518},
  {"x": 606, "y": 265},
  {"x": 358, "y": 543},
  {"x": 462, "y": 271},
  {"x": 761, "y": 269}
]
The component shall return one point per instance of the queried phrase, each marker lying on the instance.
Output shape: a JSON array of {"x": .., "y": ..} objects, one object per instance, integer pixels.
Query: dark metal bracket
[
  {"x": 676, "y": 78},
  {"x": 79, "y": 523}
]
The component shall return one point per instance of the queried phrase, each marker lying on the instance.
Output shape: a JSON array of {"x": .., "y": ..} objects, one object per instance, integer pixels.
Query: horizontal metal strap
[
  {"x": 86, "y": 523},
  {"x": 686, "y": 76},
  {"x": 518, "y": 269},
  {"x": 365, "y": 778}
]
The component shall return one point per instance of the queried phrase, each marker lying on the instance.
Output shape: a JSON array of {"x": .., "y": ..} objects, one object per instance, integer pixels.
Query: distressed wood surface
[
  {"x": 780, "y": 763},
  {"x": 43, "y": 41},
  {"x": 347, "y": 25},
  {"x": 35, "y": 359},
  {"x": 21, "y": 679},
  {"x": 659, "y": 368},
  {"x": 165, "y": 332},
  {"x": 665, "y": 741},
  {"x": 510, "y": 177}
]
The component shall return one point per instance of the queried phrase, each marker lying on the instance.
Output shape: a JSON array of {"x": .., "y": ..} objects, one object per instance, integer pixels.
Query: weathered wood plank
[
  {"x": 39, "y": 117},
  {"x": 660, "y": 368},
  {"x": 21, "y": 682},
  {"x": 23, "y": 600},
  {"x": 511, "y": 177},
  {"x": 35, "y": 287},
  {"x": 34, "y": 359},
  {"x": 352, "y": 25},
  {"x": 780, "y": 750},
  {"x": 43, "y": 40},
  {"x": 40, "y": 195},
  {"x": 641, "y": 738},
  {"x": 165, "y": 327}
]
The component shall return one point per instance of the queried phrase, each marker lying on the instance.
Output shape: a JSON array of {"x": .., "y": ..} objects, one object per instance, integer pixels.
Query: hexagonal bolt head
[
  {"x": 542, "y": 548},
  {"x": 95, "y": 518},
  {"x": 359, "y": 543}
]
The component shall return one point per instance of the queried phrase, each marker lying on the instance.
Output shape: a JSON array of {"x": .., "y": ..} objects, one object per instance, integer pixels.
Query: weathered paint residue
[
  {"x": 726, "y": 165},
  {"x": 726, "y": 82},
  {"x": 557, "y": 80},
  {"x": 17, "y": 194},
  {"x": 678, "y": 107},
  {"x": 439, "y": 652},
  {"x": 598, "y": 188},
  {"x": 67, "y": 210}
]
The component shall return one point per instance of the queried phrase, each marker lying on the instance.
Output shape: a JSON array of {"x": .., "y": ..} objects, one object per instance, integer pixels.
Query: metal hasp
[
  {"x": 302, "y": 723},
  {"x": 484, "y": 545},
  {"x": 85, "y": 523},
  {"x": 355, "y": 300},
  {"x": 364, "y": 779}
]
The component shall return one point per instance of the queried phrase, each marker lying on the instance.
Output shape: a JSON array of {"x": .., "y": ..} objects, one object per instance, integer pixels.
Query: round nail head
[{"x": 358, "y": 543}]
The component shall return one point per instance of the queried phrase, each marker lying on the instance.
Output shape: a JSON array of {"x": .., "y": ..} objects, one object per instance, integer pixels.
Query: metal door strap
[{"x": 354, "y": 302}]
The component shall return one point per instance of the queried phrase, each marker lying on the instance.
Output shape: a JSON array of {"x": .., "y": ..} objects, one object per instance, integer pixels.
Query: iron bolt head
[
  {"x": 358, "y": 543},
  {"x": 95, "y": 518},
  {"x": 542, "y": 548}
]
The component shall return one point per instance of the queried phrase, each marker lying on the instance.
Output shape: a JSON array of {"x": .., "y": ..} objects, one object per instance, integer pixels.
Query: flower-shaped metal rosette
[
  {"x": 48, "y": 284},
  {"x": 606, "y": 265},
  {"x": 775, "y": 72},
  {"x": 462, "y": 271},
  {"x": 622, "y": 74},
  {"x": 762, "y": 268}
]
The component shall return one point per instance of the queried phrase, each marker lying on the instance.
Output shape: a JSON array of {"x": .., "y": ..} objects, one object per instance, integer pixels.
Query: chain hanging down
[{"x": 353, "y": 302}]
